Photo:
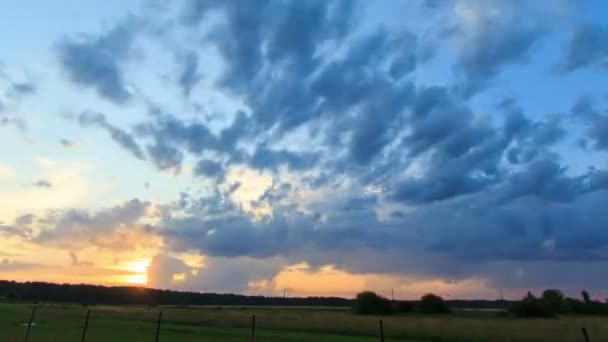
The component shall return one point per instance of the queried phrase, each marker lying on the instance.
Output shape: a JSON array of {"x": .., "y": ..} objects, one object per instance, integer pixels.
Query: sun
[{"x": 139, "y": 268}]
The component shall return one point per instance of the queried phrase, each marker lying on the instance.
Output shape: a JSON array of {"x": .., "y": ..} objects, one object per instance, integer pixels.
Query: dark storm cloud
[
  {"x": 123, "y": 138},
  {"x": 98, "y": 61},
  {"x": 588, "y": 46}
]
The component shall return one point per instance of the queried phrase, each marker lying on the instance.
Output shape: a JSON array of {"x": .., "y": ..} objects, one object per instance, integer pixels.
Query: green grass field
[{"x": 56, "y": 322}]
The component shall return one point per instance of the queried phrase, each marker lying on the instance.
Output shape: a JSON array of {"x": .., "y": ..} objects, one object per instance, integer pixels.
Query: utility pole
[{"x": 392, "y": 295}]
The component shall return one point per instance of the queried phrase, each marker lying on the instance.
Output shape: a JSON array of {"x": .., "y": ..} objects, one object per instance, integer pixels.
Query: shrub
[
  {"x": 433, "y": 304},
  {"x": 553, "y": 300},
  {"x": 403, "y": 306},
  {"x": 531, "y": 306},
  {"x": 586, "y": 297},
  {"x": 369, "y": 303}
]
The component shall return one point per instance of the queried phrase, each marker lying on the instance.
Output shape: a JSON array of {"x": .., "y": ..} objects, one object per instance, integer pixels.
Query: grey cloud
[
  {"x": 11, "y": 266},
  {"x": 263, "y": 157},
  {"x": 595, "y": 121},
  {"x": 219, "y": 275},
  {"x": 497, "y": 41},
  {"x": 123, "y": 138},
  {"x": 12, "y": 121},
  {"x": 98, "y": 61},
  {"x": 209, "y": 168},
  {"x": 189, "y": 76},
  {"x": 67, "y": 143},
  {"x": 165, "y": 156},
  {"x": 42, "y": 183},
  {"x": 17, "y": 89},
  {"x": 588, "y": 46},
  {"x": 75, "y": 227},
  {"x": 368, "y": 80},
  {"x": 460, "y": 155}
]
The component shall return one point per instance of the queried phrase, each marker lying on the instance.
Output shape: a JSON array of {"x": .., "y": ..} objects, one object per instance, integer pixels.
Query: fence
[
  {"x": 157, "y": 335},
  {"x": 154, "y": 332}
]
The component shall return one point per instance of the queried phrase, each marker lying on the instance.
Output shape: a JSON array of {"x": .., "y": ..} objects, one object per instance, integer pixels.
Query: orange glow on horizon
[{"x": 139, "y": 269}]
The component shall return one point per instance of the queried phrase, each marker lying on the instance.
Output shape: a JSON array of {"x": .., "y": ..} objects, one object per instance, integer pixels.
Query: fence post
[
  {"x": 86, "y": 324},
  {"x": 160, "y": 315},
  {"x": 29, "y": 325},
  {"x": 381, "y": 331},
  {"x": 585, "y": 335},
  {"x": 253, "y": 328}
]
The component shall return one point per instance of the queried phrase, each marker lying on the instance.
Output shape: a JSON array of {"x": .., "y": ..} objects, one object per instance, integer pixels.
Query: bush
[
  {"x": 553, "y": 300},
  {"x": 433, "y": 304},
  {"x": 369, "y": 303},
  {"x": 531, "y": 306},
  {"x": 403, "y": 306}
]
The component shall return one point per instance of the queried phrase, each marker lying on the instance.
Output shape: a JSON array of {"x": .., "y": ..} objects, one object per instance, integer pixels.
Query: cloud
[
  {"x": 189, "y": 76},
  {"x": 587, "y": 47},
  {"x": 77, "y": 262},
  {"x": 209, "y": 168},
  {"x": 123, "y": 138},
  {"x": 263, "y": 158},
  {"x": 493, "y": 36},
  {"x": 220, "y": 275},
  {"x": 12, "y": 121},
  {"x": 42, "y": 183},
  {"x": 339, "y": 151},
  {"x": 165, "y": 156},
  {"x": 98, "y": 61},
  {"x": 112, "y": 228},
  {"x": 12, "y": 266},
  {"x": 595, "y": 121},
  {"x": 14, "y": 90}
]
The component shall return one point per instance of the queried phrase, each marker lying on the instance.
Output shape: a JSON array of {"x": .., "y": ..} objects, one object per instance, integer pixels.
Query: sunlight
[
  {"x": 140, "y": 270},
  {"x": 138, "y": 266}
]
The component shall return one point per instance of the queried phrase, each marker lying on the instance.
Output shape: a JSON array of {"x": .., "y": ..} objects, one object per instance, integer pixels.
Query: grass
[{"x": 57, "y": 322}]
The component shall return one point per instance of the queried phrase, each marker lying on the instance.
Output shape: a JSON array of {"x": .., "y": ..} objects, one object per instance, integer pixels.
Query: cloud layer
[{"x": 336, "y": 142}]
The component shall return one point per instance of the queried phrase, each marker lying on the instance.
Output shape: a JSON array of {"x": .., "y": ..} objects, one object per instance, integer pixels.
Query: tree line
[
  {"x": 131, "y": 295},
  {"x": 551, "y": 303}
]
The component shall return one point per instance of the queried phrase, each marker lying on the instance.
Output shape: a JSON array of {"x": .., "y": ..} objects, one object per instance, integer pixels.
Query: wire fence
[
  {"x": 65, "y": 323},
  {"x": 133, "y": 325}
]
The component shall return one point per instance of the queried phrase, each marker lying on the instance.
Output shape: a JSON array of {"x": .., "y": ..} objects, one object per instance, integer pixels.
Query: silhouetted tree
[
  {"x": 553, "y": 299},
  {"x": 530, "y": 306},
  {"x": 369, "y": 303},
  {"x": 586, "y": 297},
  {"x": 433, "y": 304}
]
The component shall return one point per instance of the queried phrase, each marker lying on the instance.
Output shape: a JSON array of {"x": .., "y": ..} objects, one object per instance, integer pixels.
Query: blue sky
[{"x": 448, "y": 146}]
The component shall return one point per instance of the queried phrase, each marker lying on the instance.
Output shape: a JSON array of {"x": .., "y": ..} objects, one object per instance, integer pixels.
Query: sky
[{"x": 314, "y": 147}]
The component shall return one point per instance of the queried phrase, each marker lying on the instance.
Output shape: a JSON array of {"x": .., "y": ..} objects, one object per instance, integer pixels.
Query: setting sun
[{"x": 139, "y": 268}]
